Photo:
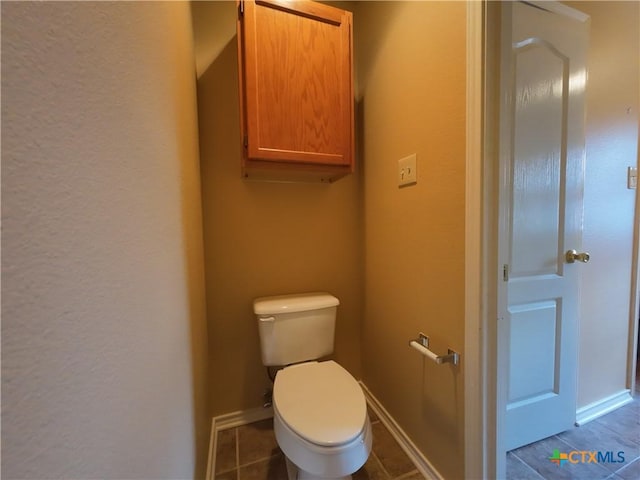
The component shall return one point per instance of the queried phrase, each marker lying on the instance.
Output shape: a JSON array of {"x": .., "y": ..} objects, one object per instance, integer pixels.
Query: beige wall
[
  {"x": 103, "y": 318},
  {"x": 265, "y": 238},
  {"x": 401, "y": 250},
  {"x": 611, "y": 146},
  {"x": 214, "y": 25},
  {"x": 411, "y": 69}
]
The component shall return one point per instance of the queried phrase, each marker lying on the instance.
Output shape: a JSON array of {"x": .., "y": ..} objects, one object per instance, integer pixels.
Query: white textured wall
[
  {"x": 102, "y": 283},
  {"x": 611, "y": 146}
]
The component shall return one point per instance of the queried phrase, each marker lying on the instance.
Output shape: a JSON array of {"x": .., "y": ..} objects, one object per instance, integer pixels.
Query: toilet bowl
[
  {"x": 320, "y": 413},
  {"x": 320, "y": 421}
]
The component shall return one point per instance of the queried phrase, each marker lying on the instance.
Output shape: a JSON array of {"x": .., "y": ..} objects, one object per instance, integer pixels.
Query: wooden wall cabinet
[{"x": 296, "y": 90}]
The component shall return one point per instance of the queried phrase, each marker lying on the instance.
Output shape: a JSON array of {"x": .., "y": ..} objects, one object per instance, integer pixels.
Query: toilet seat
[{"x": 320, "y": 402}]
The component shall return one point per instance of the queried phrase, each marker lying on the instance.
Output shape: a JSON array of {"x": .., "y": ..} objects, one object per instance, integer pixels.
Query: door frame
[
  {"x": 484, "y": 453},
  {"x": 634, "y": 313},
  {"x": 479, "y": 417},
  {"x": 481, "y": 221}
]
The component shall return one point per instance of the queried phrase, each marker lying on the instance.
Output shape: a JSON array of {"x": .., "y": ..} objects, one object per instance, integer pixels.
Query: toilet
[{"x": 320, "y": 413}]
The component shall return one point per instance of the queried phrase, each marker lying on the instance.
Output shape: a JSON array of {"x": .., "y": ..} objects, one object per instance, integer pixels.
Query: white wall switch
[
  {"x": 632, "y": 178},
  {"x": 407, "y": 172}
]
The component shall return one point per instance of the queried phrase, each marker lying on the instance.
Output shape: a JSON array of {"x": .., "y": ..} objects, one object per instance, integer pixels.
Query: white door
[{"x": 543, "y": 79}]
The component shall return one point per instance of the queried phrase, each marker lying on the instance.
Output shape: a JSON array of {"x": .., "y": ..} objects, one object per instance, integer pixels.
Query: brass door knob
[{"x": 572, "y": 256}]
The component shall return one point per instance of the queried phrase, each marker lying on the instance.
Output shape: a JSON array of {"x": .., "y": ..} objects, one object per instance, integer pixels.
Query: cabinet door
[{"x": 296, "y": 67}]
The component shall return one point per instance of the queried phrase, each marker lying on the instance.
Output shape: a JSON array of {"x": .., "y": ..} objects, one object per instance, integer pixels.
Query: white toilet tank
[{"x": 295, "y": 328}]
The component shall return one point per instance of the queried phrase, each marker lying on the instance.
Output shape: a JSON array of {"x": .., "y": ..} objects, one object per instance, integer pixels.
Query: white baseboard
[
  {"x": 602, "y": 407},
  {"x": 244, "y": 417},
  {"x": 231, "y": 420},
  {"x": 416, "y": 456}
]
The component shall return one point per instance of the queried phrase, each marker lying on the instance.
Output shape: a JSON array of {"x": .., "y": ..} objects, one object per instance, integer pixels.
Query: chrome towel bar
[{"x": 422, "y": 345}]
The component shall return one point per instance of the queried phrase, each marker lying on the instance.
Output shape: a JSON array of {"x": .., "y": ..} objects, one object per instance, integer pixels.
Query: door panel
[
  {"x": 534, "y": 327},
  {"x": 541, "y": 163},
  {"x": 541, "y": 76}
]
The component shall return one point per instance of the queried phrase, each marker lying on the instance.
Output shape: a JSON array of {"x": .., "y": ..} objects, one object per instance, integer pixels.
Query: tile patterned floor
[
  {"x": 617, "y": 431},
  {"x": 250, "y": 452}
]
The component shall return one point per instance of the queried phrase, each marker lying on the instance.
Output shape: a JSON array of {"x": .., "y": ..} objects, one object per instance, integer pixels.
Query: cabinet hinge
[
  {"x": 245, "y": 141},
  {"x": 241, "y": 8},
  {"x": 505, "y": 272}
]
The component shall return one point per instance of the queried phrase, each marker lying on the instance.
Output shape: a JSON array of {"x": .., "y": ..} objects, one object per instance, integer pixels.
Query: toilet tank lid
[{"x": 299, "y": 302}]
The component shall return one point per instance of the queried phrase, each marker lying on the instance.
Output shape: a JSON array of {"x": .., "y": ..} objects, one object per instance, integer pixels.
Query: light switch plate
[
  {"x": 407, "y": 172},
  {"x": 632, "y": 178}
]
